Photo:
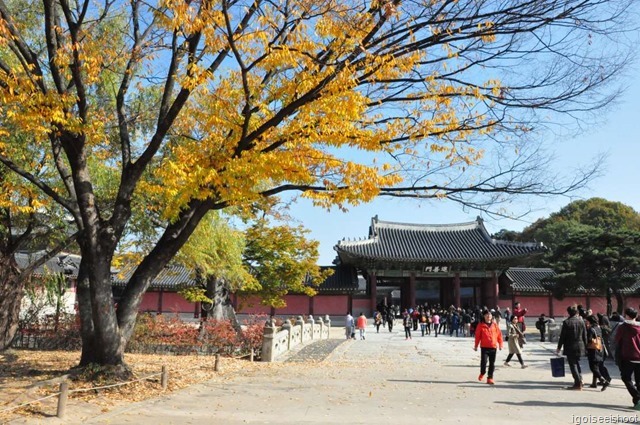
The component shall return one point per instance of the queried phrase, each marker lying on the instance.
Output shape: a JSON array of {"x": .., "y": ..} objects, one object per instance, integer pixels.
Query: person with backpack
[{"x": 489, "y": 338}]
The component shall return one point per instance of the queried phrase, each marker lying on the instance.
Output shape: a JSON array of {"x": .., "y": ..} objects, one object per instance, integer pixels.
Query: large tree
[
  {"x": 596, "y": 213},
  {"x": 194, "y": 106},
  {"x": 597, "y": 260},
  {"x": 263, "y": 262}
]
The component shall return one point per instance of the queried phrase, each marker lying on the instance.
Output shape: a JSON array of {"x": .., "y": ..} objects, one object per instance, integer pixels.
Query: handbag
[
  {"x": 595, "y": 344},
  {"x": 522, "y": 340}
]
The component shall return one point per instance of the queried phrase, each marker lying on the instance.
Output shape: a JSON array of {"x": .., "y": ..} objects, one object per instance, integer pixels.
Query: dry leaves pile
[{"x": 29, "y": 375}]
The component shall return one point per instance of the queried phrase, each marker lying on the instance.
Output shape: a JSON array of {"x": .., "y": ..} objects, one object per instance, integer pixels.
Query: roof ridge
[
  {"x": 516, "y": 243},
  {"x": 531, "y": 268},
  {"x": 445, "y": 226},
  {"x": 350, "y": 242}
]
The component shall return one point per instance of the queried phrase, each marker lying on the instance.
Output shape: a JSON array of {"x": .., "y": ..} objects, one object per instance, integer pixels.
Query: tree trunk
[
  {"x": 87, "y": 334},
  {"x": 11, "y": 293},
  {"x": 222, "y": 308},
  {"x": 101, "y": 342},
  {"x": 620, "y": 301},
  {"x": 108, "y": 344}
]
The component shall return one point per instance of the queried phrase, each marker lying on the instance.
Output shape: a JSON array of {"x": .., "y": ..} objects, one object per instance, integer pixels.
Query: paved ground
[{"x": 386, "y": 380}]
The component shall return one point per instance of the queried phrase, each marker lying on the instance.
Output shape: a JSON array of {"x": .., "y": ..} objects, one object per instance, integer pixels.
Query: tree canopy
[
  {"x": 582, "y": 215},
  {"x": 175, "y": 108},
  {"x": 264, "y": 262},
  {"x": 593, "y": 259}
]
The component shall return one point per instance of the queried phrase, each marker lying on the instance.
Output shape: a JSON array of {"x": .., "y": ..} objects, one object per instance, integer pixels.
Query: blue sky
[{"x": 618, "y": 135}]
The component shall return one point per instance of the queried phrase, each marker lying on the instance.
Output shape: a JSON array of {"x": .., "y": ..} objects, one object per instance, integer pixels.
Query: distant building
[{"x": 405, "y": 265}]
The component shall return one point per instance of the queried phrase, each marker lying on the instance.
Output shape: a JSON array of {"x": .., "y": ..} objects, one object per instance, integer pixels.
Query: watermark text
[{"x": 605, "y": 419}]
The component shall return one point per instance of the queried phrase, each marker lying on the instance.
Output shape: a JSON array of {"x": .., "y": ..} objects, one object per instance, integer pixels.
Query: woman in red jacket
[{"x": 489, "y": 337}]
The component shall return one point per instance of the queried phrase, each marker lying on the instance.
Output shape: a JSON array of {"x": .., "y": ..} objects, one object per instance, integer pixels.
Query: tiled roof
[
  {"x": 170, "y": 277},
  {"x": 528, "y": 279},
  {"x": 633, "y": 288},
  {"x": 344, "y": 278},
  {"x": 67, "y": 264},
  {"x": 428, "y": 242}
]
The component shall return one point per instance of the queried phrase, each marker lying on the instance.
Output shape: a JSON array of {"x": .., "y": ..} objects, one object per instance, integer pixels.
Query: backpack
[{"x": 538, "y": 325}]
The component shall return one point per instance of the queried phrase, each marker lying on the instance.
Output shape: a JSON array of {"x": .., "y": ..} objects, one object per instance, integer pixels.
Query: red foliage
[{"x": 152, "y": 330}]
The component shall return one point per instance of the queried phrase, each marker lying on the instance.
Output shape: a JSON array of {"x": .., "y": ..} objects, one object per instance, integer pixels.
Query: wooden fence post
[
  {"x": 251, "y": 356},
  {"x": 164, "y": 378},
  {"x": 217, "y": 365},
  {"x": 62, "y": 399}
]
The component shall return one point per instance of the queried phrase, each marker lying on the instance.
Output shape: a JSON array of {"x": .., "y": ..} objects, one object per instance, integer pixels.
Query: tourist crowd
[{"x": 583, "y": 334}]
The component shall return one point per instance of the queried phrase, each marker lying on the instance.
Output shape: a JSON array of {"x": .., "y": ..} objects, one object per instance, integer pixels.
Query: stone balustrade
[{"x": 278, "y": 341}]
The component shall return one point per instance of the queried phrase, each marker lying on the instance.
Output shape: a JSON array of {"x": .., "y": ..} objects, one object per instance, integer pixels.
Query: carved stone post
[
  {"x": 287, "y": 326},
  {"x": 327, "y": 322},
  {"x": 268, "y": 341},
  {"x": 321, "y": 323},
  {"x": 300, "y": 322}
]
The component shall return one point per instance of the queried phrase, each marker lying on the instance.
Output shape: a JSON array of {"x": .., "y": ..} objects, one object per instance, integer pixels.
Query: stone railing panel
[{"x": 278, "y": 341}]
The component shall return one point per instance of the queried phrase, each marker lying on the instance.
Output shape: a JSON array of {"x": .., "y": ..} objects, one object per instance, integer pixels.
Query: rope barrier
[
  {"x": 79, "y": 390},
  {"x": 162, "y": 374},
  {"x": 29, "y": 402}
]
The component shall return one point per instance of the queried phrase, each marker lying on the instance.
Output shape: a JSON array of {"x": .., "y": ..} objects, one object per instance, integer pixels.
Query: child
[{"x": 541, "y": 325}]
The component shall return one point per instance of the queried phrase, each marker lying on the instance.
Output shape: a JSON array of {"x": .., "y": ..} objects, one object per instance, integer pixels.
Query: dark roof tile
[
  {"x": 427, "y": 242},
  {"x": 343, "y": 279},
  {"x": 528, "y": 279}
]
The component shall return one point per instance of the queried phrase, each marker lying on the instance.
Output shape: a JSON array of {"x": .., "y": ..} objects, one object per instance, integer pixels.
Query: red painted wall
[
  {"x": 535, "y": 305},
  {"x": 560, "y": 306},
  {"x": 174, "y": 303},
  {"x": 251, "y": 305},
  {"x": 629, "y": 302},
  {"x": 149, "y": 302},
  {"x": 361, "y": 306},
  {"x": 597, "y": 304},
  {"x": 296, "y": 304},
  {"x": 330, "y": 304},
  {"x": 338, "y": 305}
]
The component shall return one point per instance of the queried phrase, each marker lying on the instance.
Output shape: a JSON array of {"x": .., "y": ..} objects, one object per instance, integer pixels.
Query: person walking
[
  {"x": 435, "y": 320},
  {"x": 377, "y": 321},
  {"x": 596, "y": 354},
  {"x": 349, "y": 329},
  {"x": 423, "y": 323},
  {"x": 627, "y": 344},
  {"x": 455, "y": 324},
  {"x": 407, "y": 322},
  {"x": 573, "y": 338},
  {"x": 489, "y": 338},
  {"x": 605, "y": 327},
  {"x": 514, "y": 342},
  {"x": 361, "y": 324}
]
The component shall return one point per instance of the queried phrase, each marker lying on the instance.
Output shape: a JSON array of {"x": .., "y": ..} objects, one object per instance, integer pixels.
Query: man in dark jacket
[
  {"x": 573, "y": 337},
  {"x": 627, "y": 342}
]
